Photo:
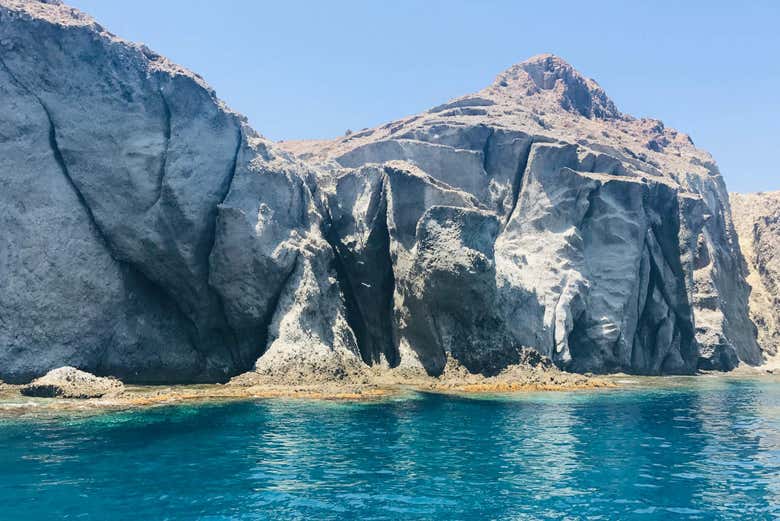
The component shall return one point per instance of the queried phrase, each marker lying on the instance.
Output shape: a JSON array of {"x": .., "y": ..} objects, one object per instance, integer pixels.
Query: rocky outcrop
[
  {"x": 603, "y": 241},
  {"x": 148, "y": 233},
  {"x": 757, "y": 220},
  {"x": 69, "y": 382}
]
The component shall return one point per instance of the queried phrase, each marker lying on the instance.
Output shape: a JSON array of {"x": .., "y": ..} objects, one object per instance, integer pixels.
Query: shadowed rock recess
[{"x": 148, "y": 233}]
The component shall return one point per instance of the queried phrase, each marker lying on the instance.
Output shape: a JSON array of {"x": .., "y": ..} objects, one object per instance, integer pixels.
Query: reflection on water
[{"x": 707, "y": 449}]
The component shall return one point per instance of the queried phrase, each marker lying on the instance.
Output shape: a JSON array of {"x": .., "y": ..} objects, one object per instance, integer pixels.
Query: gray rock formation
[
  {"x": 148, "y": 233},
  {"x": 757, "y": 220},
  {"x": 69, "y": 382},
  {"x": 601, "y": 240}
]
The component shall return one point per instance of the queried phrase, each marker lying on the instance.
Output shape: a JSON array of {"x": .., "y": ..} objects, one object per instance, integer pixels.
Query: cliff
[
  {"x": 148, "y": 233},
  {"x": 601, "y": 240},
  {"x": 757, "y": 219}
]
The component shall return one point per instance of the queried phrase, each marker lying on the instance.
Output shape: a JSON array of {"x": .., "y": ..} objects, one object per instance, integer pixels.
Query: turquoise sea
[{"x": 696, "y": 448}]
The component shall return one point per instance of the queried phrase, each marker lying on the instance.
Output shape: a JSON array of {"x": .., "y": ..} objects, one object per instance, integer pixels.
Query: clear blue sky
[{"x": 312, "y": 69}]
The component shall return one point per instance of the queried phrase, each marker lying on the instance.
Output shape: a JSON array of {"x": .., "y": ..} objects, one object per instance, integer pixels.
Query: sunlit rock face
[
  {"x": 601, "y": 240},
  {"x": 148, "y": 233},
  {"x": 757, "y": 219}
]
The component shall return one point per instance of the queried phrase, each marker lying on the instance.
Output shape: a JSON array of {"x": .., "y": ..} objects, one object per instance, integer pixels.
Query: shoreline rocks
[
  {"x": 533, "y": 373},
  {"x": 69, "y": 382}
]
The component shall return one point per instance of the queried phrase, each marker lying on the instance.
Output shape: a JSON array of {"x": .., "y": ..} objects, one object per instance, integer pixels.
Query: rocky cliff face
[
  {"x": 148, "y": 233},
  {"x": 601, "y": 240},
  {"x": 757, "y": 219}
]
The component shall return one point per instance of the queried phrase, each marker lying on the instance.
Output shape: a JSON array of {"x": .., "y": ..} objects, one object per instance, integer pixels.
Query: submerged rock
[
  {"x": 149, "y": 233},
  {"x": 69, "y": 382}
]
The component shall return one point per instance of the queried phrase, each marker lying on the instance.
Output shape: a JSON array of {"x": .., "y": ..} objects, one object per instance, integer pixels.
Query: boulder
[{"x": 69, "y": 382}]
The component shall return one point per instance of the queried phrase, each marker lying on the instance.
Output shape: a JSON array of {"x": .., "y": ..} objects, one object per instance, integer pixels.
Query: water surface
[{"x": 706, "y": 448}]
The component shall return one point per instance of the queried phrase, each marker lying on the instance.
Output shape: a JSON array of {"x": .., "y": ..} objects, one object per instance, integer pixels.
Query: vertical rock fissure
[
  {"x": 669, "y": 254},
  {"x": 387, "y": 286},
  {"x": 232, "y": 339},
  {"x": 522, "y": 166},
  {"x": 225, "y": 189},
  {"x": 486, "y": 149},
  {"x": 368, "y": 305},
  {"x": 682, "y": 325},
  {"x": 641, "y": 301},
  {"x": 654, "y": 282},
  {"x": 354, "y": 316},
  {"x": 64, "y": 169},
  {"x": 166, "y": 143}
]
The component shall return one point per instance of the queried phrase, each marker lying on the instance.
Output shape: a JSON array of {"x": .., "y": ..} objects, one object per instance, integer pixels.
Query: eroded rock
[
  {"x": 148, "y": 232},
  {"x": 614, "y": 248},
  {"x": 69, "y": 382},
  {"x": 757, "y": 219}
]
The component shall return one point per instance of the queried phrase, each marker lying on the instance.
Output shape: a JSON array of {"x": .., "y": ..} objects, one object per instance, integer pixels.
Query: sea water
[{"x": 702, "y": 448}]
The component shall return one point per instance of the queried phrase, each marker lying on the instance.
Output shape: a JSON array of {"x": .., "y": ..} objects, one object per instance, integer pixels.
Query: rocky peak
[{"x": 547, "y": 74}]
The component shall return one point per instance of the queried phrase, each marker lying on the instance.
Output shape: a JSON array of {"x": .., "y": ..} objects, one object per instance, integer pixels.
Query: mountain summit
[
  {"x": 549, "y": 75},
  {"x": 546, "y": 96}
]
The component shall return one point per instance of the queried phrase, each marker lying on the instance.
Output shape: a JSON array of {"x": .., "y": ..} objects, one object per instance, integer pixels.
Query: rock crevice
[
  {"x": 365, "y": 274},
  {"x": 164, "y": 156}
]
